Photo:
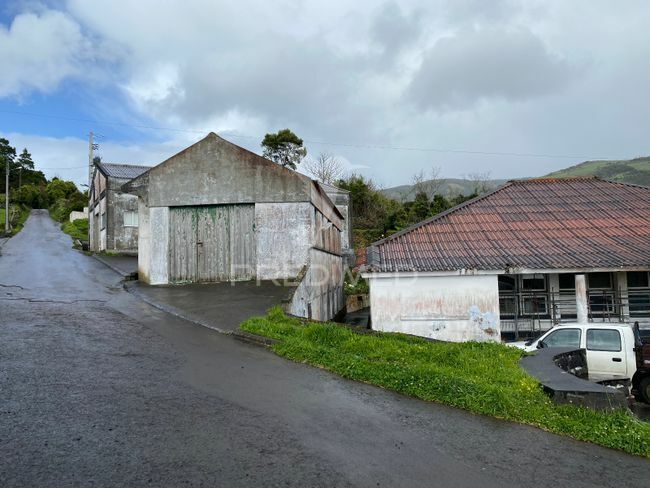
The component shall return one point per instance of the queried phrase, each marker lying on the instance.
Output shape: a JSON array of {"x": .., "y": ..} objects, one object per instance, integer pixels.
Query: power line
[{"x": 324, "y": 143}]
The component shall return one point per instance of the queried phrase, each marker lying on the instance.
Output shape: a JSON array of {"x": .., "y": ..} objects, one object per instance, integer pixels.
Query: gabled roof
[
  {"x": 122, "y": 171},
  {"x": 264, "y": 172},
  {"x": 545, "y": 223}
]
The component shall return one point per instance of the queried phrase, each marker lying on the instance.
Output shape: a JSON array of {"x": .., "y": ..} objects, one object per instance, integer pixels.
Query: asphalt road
[{"x": 100, "y": 389}]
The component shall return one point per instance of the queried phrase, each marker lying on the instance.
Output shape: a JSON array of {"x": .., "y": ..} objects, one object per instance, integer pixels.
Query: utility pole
[
  {"x": 91, "y": 147},
  {"x": 6, "y": 195}
]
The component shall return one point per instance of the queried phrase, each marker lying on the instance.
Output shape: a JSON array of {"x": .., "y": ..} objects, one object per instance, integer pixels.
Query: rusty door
[{"x": 212, "y": 243}]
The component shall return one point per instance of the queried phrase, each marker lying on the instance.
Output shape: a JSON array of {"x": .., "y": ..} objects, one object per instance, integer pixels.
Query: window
[
  {"x": 130, "y": 219},
  {"x": 533, "y": 283},
  {"x": 639, "y": 295},
  {"x": 507, "y": 296},
  {"x": 600, "y": 281},
  {"x": 567, "y": 281},
  {"x": 637, "y": 279},
  {"x": 603, "y": 340},
  {"x": 103, "y": 226},
  {"x": 563, "y": 338},
  {"x": 534, "y": 297}
]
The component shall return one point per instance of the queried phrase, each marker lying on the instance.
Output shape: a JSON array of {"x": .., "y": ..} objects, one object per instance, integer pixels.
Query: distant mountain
[
  {"x": 636, "y": 171},
  {"x": 447, "y": 187}
]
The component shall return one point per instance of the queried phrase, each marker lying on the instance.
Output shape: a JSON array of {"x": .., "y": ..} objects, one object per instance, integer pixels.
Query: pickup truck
[
  {"x": 611, "y": 349},
  {"x": 641, "y": 379}
]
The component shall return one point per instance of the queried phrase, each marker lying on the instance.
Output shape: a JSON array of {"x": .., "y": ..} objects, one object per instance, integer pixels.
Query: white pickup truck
[{"x": 610, "y": 347}]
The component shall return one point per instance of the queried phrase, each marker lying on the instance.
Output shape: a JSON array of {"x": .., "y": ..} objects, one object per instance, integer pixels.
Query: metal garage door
[{"x": 212, "y": 243}]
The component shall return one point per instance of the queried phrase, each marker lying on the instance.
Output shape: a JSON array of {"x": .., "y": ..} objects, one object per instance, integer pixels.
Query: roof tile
[{"x": 534, "y": 224}]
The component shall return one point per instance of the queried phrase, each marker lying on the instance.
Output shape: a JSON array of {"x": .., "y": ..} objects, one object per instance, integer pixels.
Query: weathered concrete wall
[
  {"x": 153, "y": 245},
  {"x": 325, "y": 235},
  {"x": 75, "y": 215},
  {"x": 283, "y": 233},
  {"x": 159, "y": 245},
  {"x": 144, "y": 242},
  {"x": 119, "y": 237},
  {"x": 319, "y": 295},
  {"x": 448, "y": 308},
  {"x": 214, "y": 171}
]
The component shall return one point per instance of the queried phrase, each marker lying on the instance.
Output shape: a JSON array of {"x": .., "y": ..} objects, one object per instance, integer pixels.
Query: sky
[{"x": 391, "y": 88}]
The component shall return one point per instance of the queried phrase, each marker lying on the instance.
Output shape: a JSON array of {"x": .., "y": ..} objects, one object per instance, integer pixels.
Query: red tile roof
[{"x": 546, "y": 223}]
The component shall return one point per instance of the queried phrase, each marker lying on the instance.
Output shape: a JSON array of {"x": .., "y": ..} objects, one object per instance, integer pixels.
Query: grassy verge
[
  {"x": 18, "y": 215},
  {"x": 77, "y": 229},
  {"x": 484, "y": 378}
]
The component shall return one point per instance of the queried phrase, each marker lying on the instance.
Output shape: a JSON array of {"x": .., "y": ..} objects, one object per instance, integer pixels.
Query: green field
[
  {"x": 484, "y": 378},
  {"x": 635, "y": 171}
]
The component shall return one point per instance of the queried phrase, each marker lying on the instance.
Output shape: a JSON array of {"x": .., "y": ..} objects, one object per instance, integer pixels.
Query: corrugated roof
[
  {"x": 543, "y": 223},
  {"x": 123, "y": 171}
]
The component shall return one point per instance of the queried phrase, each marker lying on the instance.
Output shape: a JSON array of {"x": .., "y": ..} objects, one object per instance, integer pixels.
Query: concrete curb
[
  {"x": 254, "y": 339},
  {"x": 131, "y": 288},
  {"x": 126, "y": 276}
]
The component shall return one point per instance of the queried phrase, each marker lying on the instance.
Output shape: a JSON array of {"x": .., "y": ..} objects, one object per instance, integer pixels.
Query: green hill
[
  {"x": 636, "y": 171},
  {"x": 446, "y": 186}
]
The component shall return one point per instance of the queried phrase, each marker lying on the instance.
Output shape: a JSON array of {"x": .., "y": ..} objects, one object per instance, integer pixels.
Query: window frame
[
  {"x": 565, "y": 329},
  {"x": 595, "y": 329},
  {"x": 133, "y": 217}
]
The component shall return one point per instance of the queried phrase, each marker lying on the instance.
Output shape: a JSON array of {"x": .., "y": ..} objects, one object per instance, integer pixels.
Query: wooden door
[{"x": 212, "y": 243}]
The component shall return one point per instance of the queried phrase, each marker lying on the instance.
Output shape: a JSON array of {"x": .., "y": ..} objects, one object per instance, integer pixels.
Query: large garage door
[{"x": 212, "y": 243}]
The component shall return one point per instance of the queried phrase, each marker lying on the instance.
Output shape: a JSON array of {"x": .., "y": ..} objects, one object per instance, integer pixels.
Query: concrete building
[
  {"x": 516, "y": 261},
  {"x": 217, "y": 212},
  {"x": 113, "y": 214},
  {"x": 341, "y": 198}
]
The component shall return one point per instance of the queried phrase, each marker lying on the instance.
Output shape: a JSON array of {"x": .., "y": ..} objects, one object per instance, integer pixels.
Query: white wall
[
  {"x": 153, "y": 267},
  {"x": 159, "y": 259},
  {"x": 283, "y": 233},
  {"x": 144, "y": 242},
  {"x": 448, "y": 308}
]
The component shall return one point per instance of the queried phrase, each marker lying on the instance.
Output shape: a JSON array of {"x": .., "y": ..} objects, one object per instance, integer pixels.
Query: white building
[{"x": 507, "y": 263}]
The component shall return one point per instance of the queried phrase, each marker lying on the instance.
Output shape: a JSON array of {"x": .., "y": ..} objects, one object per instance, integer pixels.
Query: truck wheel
[{"x": 644, "y": 389}]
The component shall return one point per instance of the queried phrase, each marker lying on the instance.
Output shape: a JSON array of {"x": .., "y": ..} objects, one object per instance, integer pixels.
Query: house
[
  {"x": 217, "y": 212},
  {"x": 517, "y": 260},
  {"x": 113, "y": 214}
]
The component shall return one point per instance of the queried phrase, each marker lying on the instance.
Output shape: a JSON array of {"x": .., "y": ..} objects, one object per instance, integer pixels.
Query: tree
[
  {"x": 481, "y": 182},
  {"x": 326, "y": 168},
  {"x": 429, "y": 184},
  {"x": 285, "y": 148},
  {"x": 7, "y": 156},
  {"x": 25, "y": 161}
]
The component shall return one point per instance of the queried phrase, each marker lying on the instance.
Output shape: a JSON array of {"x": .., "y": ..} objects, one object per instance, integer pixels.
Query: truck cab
[{"x": 610, "y": 348}]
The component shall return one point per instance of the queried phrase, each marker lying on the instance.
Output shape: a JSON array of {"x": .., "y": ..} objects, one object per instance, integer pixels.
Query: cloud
[
  {"x": 394, "y": 29},
  {"x": 535, "y": 76},
  {"x": 473, "y": 65},
  {"x": 67, "y": 157},
  {"x": 39, "y": 51}
]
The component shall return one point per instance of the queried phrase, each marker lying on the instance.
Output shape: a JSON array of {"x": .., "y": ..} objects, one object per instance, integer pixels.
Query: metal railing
[{"x": 529, "y": 313}]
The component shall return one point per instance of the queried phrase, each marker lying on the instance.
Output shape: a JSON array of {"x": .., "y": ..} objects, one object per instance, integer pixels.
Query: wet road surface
[{"x": 98, "y": 388}]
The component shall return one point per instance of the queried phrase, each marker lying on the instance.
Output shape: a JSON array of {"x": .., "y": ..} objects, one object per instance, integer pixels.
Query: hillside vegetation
[
  {"x": 448, "y": 187},
  {"x": 636, "y": 171}
]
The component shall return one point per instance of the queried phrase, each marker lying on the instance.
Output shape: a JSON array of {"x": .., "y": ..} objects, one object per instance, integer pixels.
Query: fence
[{"x": 528, "y": 314}]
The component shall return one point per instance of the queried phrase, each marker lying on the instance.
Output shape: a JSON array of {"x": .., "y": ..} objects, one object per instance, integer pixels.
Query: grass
[
  {"x": 635, "y": 171},
  {"x": 18, "y": 214},
  {"x": 77, "y": 229},
  {"x": 483, "y": 378}
]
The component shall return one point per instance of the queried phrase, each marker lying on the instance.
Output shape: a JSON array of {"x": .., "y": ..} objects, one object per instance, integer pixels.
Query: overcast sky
[{"x": 389, "y": 87}]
